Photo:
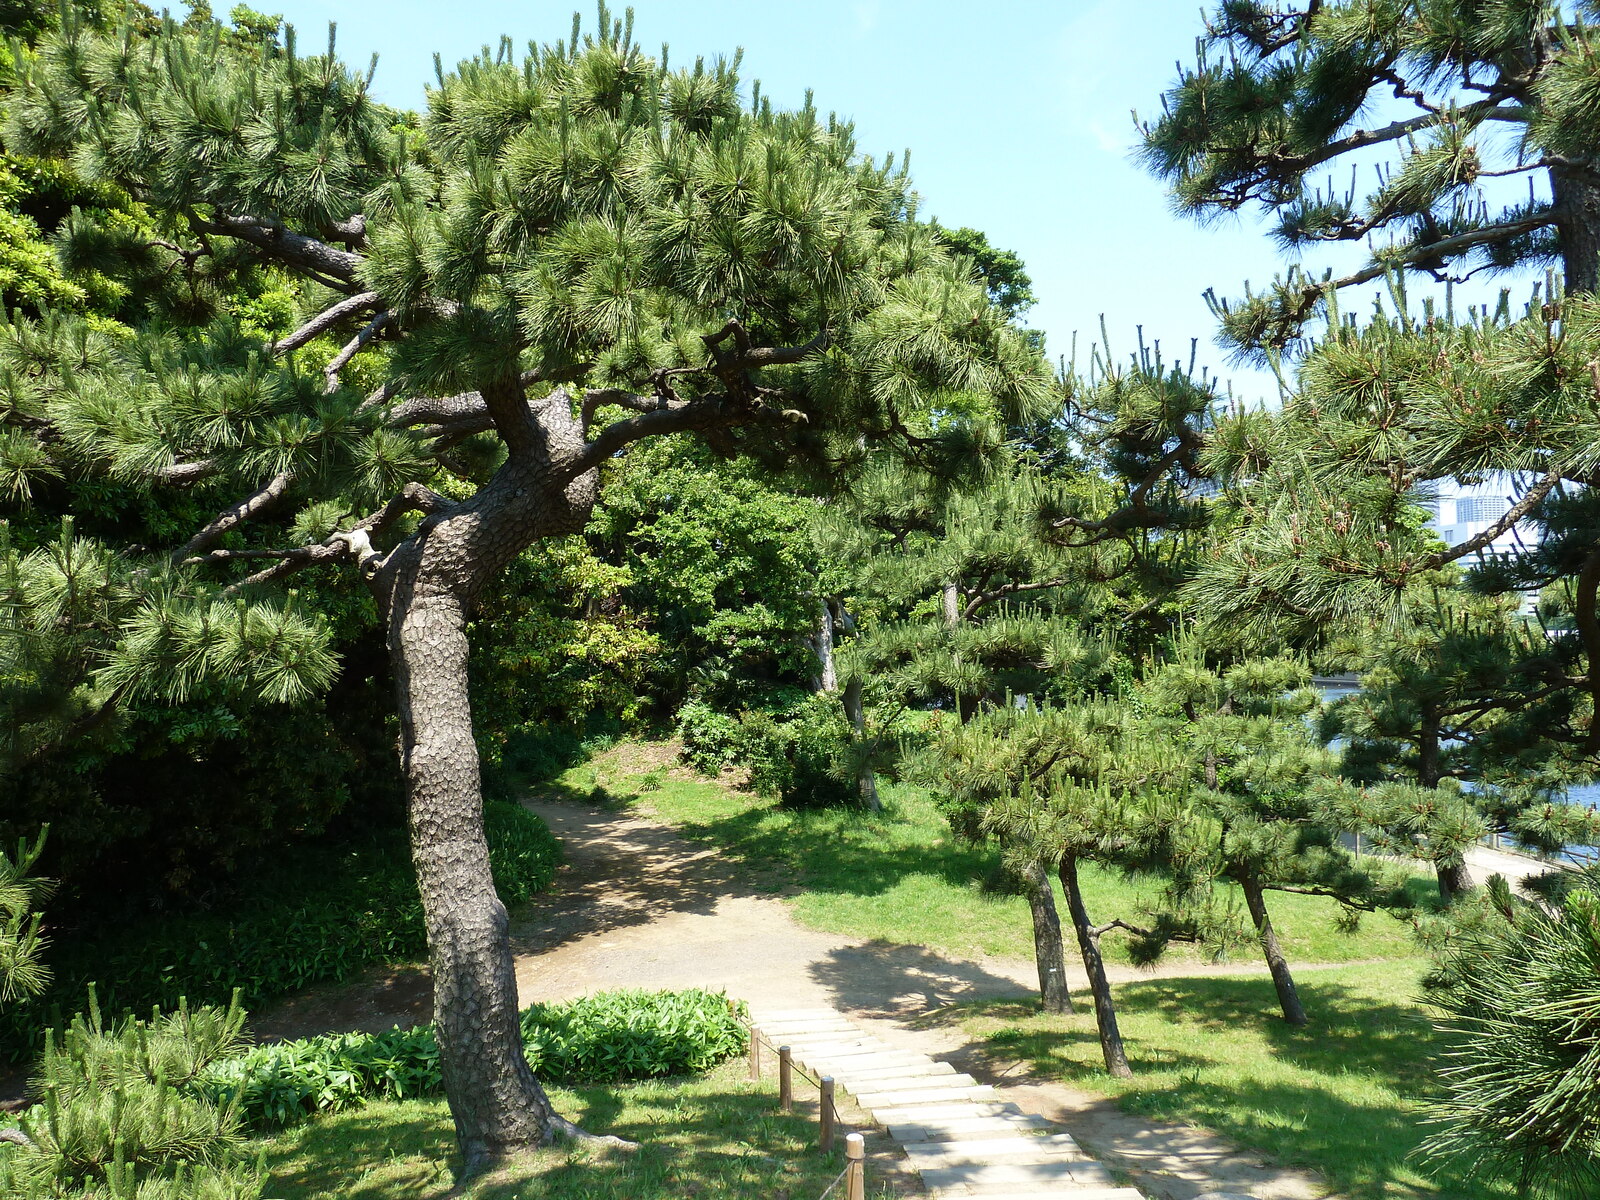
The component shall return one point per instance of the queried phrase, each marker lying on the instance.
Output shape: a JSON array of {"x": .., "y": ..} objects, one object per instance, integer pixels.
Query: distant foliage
[
  {"x": 320, "y": 919},
  {"x": 795, "y": 746},
  {"x": 604, "y": 1038}
]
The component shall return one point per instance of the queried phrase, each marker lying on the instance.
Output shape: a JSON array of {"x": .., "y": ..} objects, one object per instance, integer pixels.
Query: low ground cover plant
[{"x": 609, "y": 1037}]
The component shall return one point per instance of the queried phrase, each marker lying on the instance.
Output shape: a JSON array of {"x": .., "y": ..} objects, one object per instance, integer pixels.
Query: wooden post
[
  {"x": 785, "y": 1080},
  {"x": 755, "y": 1052},
  {"x": 825, "y": 1116},
  {"x": 855, "y": 1178}
]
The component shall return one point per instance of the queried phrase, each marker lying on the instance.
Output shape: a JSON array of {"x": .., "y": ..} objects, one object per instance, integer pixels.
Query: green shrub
[
  {"x": 604, "y": 1038},
  {"x": 712, "y": 740},
  {"x": 796, "y": 746},
  {"x": 612, "y": 1036},
  {"x": 318, "y": 919}
]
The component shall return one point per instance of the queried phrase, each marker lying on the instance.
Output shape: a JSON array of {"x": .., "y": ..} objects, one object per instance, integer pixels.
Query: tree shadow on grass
[
  {"x": 1368, "y": 1048},
  {"x": 697, "y": 1138}
]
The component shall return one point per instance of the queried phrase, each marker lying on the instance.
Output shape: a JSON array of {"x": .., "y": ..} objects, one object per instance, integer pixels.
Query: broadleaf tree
[{"x": 573, "y": 250}]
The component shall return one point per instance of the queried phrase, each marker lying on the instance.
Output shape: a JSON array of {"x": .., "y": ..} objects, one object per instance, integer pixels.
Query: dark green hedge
[{"x": 317, "y": 919}]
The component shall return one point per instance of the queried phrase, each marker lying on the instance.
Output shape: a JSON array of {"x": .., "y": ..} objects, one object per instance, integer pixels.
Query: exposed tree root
[{"x": 561, "y": 1127}]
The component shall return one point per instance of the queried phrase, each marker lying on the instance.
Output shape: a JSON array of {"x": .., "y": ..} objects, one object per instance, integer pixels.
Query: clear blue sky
[{"x": 1017, "y": 114}]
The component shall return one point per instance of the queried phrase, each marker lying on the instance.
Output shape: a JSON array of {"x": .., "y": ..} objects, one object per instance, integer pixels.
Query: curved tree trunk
[
  {"x": 426, "y": 587},
  {"x": 498, "y": 1106},
  {"x": 1049, "y": 952},
  {"x": 1105, "y": 1011},
  {"x": 1282, "y": 980}
]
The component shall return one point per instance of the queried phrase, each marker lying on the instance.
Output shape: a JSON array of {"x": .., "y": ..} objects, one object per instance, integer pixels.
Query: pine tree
[
  {"x": 1521, "y": 1074},
  {"x": 22, "y": 972},
  {"x": 1061, "y": 786},
  {"x": 1264, "y": 808},
  {"x": 568, "y": 254},
  {"x": 1448, "y": 97}
]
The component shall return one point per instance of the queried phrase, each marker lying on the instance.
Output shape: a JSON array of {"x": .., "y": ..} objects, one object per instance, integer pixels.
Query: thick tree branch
[
  {"x": 325, "y": 320},
  {"x": 268, "y": 495},
  {"x": 354, "y": 542},
  {"x": 183, "y": 474},
  {"x": 288, "y": 247},
  {"x": 1522, "y": 508}
]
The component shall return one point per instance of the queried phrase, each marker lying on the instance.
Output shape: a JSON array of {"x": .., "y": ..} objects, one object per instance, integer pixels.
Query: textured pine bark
[
  {"x": 1282, "y": 980},
  {"x": 1105, "y": 1012},
  {"x": 1049, "y": 951},
  {"x": 427, "y": 587},
  {"x": 1577, "y": 203}
]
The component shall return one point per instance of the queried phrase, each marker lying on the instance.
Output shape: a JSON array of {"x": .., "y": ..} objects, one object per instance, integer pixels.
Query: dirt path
[{"x": 636, "y": 905}]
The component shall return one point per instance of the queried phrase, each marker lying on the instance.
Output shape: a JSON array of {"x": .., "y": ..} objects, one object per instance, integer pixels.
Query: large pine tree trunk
[
  {"x": 1105, "y": 1012},
  {"x": 426, "y": 587},
  {"x": 498, "y": 1106},
  {"x": 1577, "y": 206},
  {"x": 1049, "y": 952},
  {"x": 1282, "y": 980}
]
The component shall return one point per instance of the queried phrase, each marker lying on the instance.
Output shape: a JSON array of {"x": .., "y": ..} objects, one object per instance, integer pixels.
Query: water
[{"x": 1587, "y": 794}]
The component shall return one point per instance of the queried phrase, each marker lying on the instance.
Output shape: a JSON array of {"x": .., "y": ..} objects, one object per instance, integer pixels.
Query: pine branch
[
  {"x": 325, "y": 320},
  {"x": 981, "y": 599},
  {"x": 338, "y": 268},
  {"x": 351, "y": 348},
  {"x": 355, "y": 542},
  {"x": 251, "y": 506},
  {"x": 1522, "y": 508},
  {"x": 183, "y": 474}
]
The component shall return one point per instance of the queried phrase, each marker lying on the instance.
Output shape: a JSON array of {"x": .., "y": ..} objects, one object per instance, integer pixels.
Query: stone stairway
[{"x": 955, "y": 1132}]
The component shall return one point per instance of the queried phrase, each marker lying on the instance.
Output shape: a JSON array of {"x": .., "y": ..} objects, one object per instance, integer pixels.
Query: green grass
[
  {"x": 713, "y": 1136},
  {"x": 902, "y": 877},
  {"x": 1340, "y": 1096}
]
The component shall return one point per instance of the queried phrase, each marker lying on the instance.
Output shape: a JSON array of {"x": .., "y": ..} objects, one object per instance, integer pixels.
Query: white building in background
[{"x": 1461, "y": 511}]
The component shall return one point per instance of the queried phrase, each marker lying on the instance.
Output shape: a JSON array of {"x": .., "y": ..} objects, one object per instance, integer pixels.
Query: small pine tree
[{"x": 1518, "y": 998}]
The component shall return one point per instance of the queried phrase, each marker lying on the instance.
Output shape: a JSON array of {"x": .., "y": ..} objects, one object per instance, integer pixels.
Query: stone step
[
  {"x": 888, "y": 1060},
  {"x": 848, "y": 1073},
  {"x": 814, "y": 1041},
  {"x": 1018, "y": 1177},
  {"x": 811, "y": 1026},
  {"x": 961, "y": 1128},
  {"x": 949, "y": 1110},
  {"x": 911, "y": 1098},
  {"x": 1070, "y": 1192},
  {"x": 906, "y": 1083},
  {"x": 1015, "y": 1148}
]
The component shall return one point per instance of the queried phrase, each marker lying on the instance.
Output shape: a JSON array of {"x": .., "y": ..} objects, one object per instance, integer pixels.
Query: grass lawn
[
  {"x": 718, "y": 1135},
  {"x": 903, "y": 877},
  {"x": 1339, "y": 1096}
]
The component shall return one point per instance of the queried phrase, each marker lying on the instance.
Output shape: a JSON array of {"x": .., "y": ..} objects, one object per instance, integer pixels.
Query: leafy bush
[
  {"x": 612, "y": 1036},
  {"x": 712, "y": 740},
  {"x": 287, "y": 1081},
  {"x": 317, "y": 920},
  {"x": 602, "y": 1038},
  {"x": 796, "y": 746}
]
